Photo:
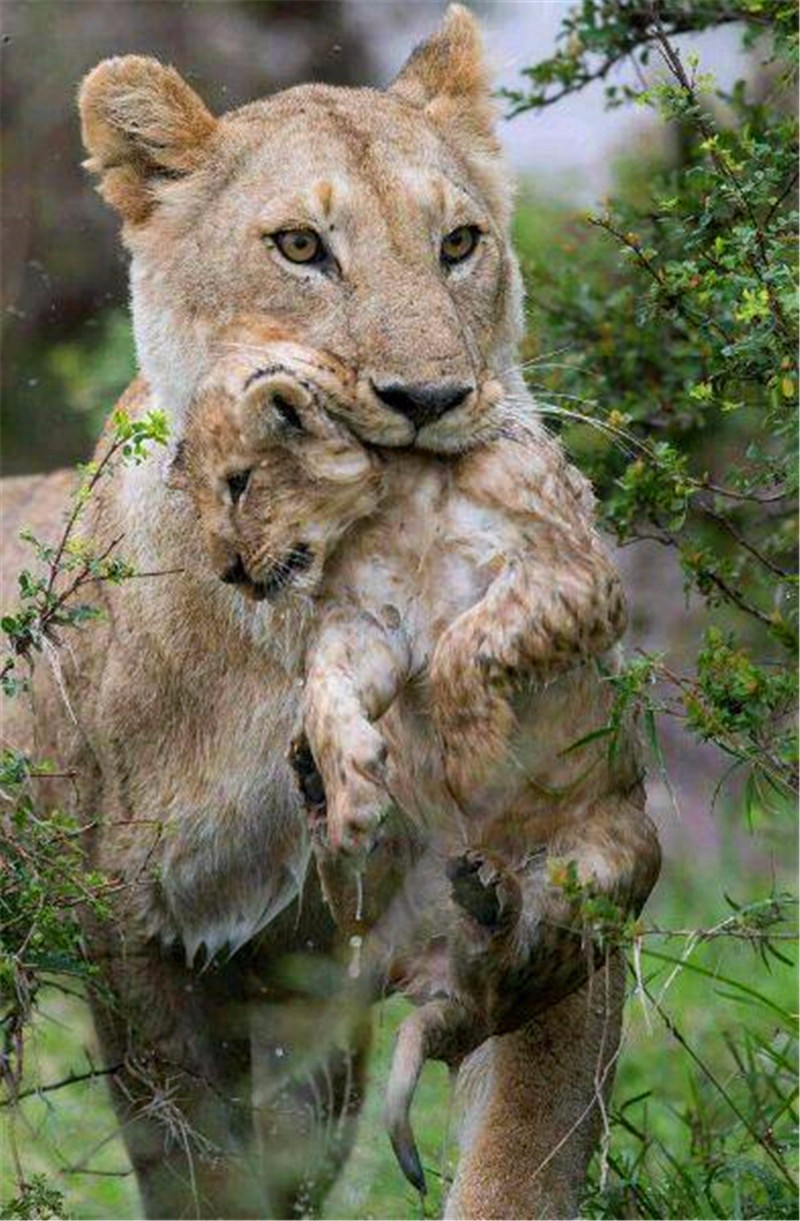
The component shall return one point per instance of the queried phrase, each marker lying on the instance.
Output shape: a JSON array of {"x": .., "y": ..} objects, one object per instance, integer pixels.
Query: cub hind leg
[{"x": 441, "y": 1030}]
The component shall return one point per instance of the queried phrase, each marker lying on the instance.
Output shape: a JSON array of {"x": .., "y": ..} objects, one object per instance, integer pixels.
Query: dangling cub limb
[
  {"x": 518, "y": 944},
  {"x": 355, "y": 671}
]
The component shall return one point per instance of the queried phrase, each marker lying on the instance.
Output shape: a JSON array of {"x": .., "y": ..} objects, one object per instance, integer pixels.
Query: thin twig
[
  {"x": 643, "y": 38},
  {"x": 739, "y": 538},
  {"x": 73, "y": 1079}
]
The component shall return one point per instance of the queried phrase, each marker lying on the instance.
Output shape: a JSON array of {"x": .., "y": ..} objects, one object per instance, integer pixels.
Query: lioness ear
[
  {"x": 447, "y": 76},
  {"x": 141, "y": 123}
]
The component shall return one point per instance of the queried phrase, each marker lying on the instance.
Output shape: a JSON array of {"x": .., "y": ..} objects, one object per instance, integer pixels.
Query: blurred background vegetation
[{"x": 661, "y": 343}]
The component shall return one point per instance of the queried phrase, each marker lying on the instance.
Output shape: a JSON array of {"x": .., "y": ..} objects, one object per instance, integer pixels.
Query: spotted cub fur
[{"x": 464, "y": 612}]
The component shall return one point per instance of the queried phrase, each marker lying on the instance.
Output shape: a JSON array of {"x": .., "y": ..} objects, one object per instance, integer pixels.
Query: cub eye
[
  {"x": 237, "y": 482},
  {"x": 300, "y": 245},
  {"x": 459, "y": 244}
]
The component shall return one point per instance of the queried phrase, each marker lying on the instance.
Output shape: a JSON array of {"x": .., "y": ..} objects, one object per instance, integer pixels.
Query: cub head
[
  {"x": 275, "y": 480},
  {"x": 373, "y": 225}
]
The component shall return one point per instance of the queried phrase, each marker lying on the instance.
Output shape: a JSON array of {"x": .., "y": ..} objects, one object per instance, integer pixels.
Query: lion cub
[{"x": 451, "y": 670}]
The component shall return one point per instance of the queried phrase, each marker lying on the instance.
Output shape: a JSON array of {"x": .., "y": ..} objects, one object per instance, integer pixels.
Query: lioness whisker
[{"x": 520, "y": 366}]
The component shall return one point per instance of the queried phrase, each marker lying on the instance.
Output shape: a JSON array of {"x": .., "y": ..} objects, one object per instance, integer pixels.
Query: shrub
[{"x": 666, "y": 355}]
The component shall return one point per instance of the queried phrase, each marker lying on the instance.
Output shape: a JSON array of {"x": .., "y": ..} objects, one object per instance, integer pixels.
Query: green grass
[
  {"x": 76, "y": 1126},
  {"x": 681, "y": 1145}
]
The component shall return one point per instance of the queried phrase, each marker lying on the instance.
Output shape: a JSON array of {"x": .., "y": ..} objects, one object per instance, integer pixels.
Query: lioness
[
  {"x": 374, "y": 225},
  {"x": 498, "y": 601}
]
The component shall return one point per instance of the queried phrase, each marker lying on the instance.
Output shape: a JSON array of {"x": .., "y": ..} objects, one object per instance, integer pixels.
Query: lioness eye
[
  {"x": 300, "y": 245},
  {"x": 237, "y": 482},
  {"x": 459, "y": 244}
]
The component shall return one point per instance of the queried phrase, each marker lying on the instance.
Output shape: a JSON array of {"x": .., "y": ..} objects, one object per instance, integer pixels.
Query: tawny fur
[
  {"x": 381, "y": 176},
  {"x": 175, "y": 711},
  {"x": 451, "y": 671}
]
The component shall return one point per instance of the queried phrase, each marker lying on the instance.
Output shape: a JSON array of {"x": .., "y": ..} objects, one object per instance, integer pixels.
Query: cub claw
[
  {"x": 478, "y": 898},
  {"x": 309, "y": 780}
]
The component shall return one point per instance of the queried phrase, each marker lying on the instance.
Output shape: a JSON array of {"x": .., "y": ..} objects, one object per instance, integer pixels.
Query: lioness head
[
  {"x": 276, "y": 481},
  {"x": 372, "y": 224}
]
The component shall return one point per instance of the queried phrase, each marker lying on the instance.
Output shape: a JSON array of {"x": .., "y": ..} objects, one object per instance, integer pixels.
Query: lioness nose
[{"x": 424, "y": 403}]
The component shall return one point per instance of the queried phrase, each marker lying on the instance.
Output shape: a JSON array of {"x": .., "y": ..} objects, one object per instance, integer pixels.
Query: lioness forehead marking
[{"x": 324, "y": 192}]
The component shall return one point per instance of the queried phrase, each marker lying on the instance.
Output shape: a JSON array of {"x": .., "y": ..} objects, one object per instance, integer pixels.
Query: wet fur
[{"x": 451, "y": 668}]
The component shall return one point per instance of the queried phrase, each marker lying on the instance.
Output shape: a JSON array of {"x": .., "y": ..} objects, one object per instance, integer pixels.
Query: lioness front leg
[
  {"x": 354, "y": 673},
  {"x": 530, "y": 1105},
  {"x": 543, "y": 614}
]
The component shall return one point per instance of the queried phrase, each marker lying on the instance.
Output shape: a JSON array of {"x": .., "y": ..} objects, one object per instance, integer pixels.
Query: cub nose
[
  {"x": 422, "y": 404},
  {"x": 235, "y": 573}
]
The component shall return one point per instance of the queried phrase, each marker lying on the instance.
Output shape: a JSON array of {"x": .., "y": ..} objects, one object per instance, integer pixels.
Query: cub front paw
[
  {"x": 355, "y": 815},
  {"x": 358, "y": 800}
]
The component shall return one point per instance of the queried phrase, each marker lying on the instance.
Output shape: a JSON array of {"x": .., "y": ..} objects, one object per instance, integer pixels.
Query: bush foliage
[
  {"x": 663, "y": 346},
  {"x": 680, "y": 315}
]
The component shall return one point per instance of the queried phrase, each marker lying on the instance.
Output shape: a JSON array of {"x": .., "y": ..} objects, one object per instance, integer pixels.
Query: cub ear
[
  {"x": 271, "y": 400},
  {"x": 141, "y": 124},
  {"x": 448, "y": 77}
]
